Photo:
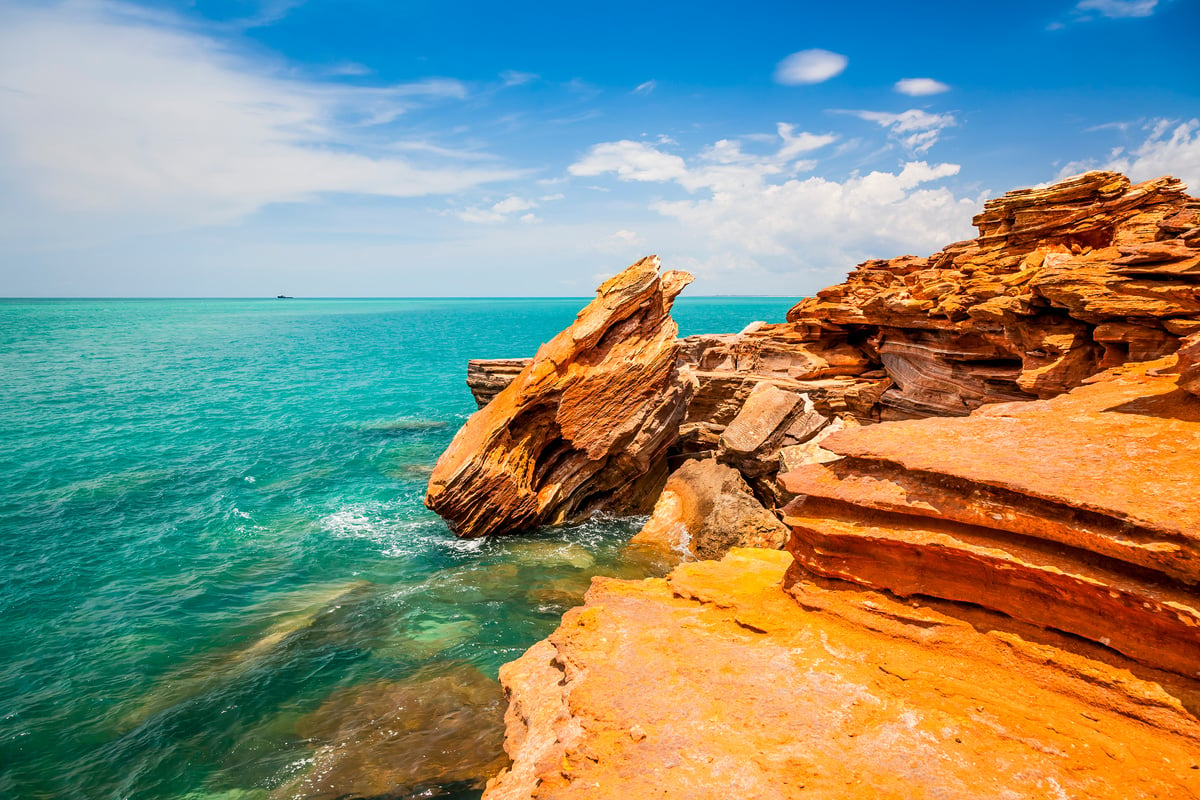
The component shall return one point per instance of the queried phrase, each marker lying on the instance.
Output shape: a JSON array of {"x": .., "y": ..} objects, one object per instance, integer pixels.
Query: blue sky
[{"x": 363, "y": 148}]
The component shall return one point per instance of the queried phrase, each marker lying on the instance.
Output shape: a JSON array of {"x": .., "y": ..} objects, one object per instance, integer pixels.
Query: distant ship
[{"x": 283, "y": 297}]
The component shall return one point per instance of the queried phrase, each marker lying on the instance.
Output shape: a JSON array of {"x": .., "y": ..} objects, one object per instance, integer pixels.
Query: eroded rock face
[
  {"x": 1061, "y": 283},
  {"x": 716, "y": 682},
  {"x": 585, "y": 426},
  {"x": 705, "y": 510},
  {"x": 1080, "y": 513}
]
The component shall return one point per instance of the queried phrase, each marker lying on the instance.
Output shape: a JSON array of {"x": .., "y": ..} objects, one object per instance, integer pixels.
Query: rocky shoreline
[{"x": 982, "y": 464}]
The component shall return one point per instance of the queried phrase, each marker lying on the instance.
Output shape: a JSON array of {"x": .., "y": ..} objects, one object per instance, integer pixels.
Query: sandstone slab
[
  {"x": 1123, "y": 447},
  {"x": 715, "y": 682}
]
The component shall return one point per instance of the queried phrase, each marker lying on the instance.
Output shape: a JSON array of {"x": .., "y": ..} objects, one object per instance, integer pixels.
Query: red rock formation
[
  {"x": 1000, "y": 600},
  {"x": 585, "y": 426}
]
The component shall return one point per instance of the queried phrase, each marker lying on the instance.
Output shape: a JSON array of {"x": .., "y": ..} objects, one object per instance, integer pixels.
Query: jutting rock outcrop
[{"x": 585, "y": 426}]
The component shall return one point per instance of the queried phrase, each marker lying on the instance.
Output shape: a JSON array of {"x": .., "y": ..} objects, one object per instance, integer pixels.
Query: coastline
[{"x": 923, "y": 517}]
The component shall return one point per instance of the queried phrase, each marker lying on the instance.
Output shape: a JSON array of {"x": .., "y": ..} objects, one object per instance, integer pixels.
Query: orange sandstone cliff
[
  {"x": 985, "y": 464},
  {"x": 1001, "y": 605}
]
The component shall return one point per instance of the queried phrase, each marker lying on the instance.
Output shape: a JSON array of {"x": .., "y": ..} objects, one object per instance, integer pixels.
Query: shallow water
[{"x": 213, "y": 535}]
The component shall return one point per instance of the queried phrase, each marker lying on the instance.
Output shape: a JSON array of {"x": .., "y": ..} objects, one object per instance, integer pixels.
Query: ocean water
[{"x": 218, "y": 575}]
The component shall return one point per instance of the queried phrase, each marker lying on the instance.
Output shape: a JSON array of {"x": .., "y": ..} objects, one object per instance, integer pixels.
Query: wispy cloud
[
  {"x": 919, "y": 87},
  {"x": 1119, "y": 9},
  {"x": 810, "y": 66},
  {"x": 115, "y": 113},
  {"x": 645, "y": 88},
  {"x": 505, "y": 210},
  {"x": 915, "y": 129},
  {"x": 1087, "y": 11},
  {"x": 513, "y": 78}
]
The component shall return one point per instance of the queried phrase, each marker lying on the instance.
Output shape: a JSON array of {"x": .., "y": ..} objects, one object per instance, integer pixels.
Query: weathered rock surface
[
  {"x": 715, "y": 682},
  {"x": 1080, "y": 513},
  {"x": 1061, "y": 283},
  {"x": 705, "y": 510},
  {"x": 584, "y": 427}
]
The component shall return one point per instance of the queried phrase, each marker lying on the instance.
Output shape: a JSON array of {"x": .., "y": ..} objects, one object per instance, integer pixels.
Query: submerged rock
[
  {"x": 440, "y": 728},
  {"x": 584, "y": 427}
]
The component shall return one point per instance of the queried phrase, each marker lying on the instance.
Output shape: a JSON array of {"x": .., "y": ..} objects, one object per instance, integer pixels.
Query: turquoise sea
[{"x": 219, "y": 579}]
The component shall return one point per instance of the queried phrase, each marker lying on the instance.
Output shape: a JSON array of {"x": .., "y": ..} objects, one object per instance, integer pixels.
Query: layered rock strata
[
  {"x": 1061, "y": 283},
  {"x": 583, "y": 427},
  {"x": 716, "y": 682},
  {"x": 1080, "y": 513}
]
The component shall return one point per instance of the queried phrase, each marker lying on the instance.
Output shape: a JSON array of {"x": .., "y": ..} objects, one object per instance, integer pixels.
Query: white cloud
[
  {"x": 513, "y": 78},
  {"x": 919, "y": 87},
  {"x": 631, "y": 161},
  {"x": 810, "y": 66},
  {"x": 917, "y": 130},
  {"x": 1119, "y": 9},
  {"x": 645, "y": 88},
  {"x": 754, "y": 206},
  {"x": 622, "y": 242},
  {"x": 505, "y": 210},
  {"x": 113, "y": 114},
  {"x": 1171, "y": 148}
]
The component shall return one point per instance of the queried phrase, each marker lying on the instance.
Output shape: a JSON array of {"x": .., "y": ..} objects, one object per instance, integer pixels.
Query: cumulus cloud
[
  {"x": 110, "y": 112},
  {"x": 1171, "y": 147},
  {"x": 631, "y": 161},
  {"x": 1119, "y": 9},
  {"x": 757, "y": 207},
  {"x": 919, "y": 87},
  {"x": 810, "y": 66},
  {"x": 915, "y": 129}
]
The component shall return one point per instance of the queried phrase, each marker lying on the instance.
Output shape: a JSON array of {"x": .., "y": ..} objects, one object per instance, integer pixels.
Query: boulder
[{"x": 706, "y": 509}]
